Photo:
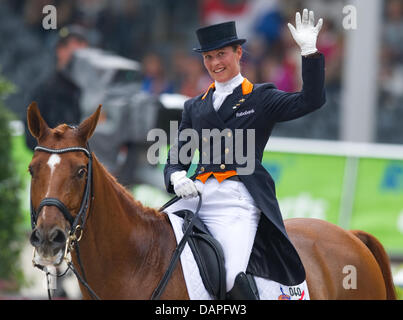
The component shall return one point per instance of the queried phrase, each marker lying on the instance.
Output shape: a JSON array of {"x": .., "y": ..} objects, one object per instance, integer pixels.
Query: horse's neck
[
  {"x": 117, "y": 214},
  {"x": 122, "y": 235}
]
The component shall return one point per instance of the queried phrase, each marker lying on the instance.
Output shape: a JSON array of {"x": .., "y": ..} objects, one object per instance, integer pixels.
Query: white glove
[
  {"x": 305, "y": 33},
  {"x": 183, "y": 186}
]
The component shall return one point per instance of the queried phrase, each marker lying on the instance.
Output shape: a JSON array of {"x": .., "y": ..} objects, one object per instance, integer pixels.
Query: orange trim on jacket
[
  {"x": 247, "y": 88},
  {"x": 220, "y": 176},
  {"x": 212, "y": 86}
]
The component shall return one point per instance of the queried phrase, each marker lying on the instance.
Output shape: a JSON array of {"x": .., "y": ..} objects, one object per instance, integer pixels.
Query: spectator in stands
[
  {"x": 155, "y": 81},
  {"x": 393, "y": 31},
  {"x": 195, "y": 80},
  {"x": 254, "y": 53},
  {"x": 280, "y": 71},
  {"x": 391, "y": 67},
  {"x": 330, "y": 43},
  {"x": 391, "y": 63},
  {"x": 58, "y": 96}
]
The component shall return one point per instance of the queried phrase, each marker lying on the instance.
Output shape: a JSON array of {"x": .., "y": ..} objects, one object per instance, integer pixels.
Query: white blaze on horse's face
[{"x": 53, "y": 161}]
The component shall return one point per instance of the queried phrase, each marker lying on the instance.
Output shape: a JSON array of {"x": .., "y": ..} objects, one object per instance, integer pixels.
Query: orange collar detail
[
  {"x": 247, "y": 88},
  {"x": 212, "y": 86}
]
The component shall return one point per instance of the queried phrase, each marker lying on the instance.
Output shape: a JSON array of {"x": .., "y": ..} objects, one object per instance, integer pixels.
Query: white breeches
[{"x": 230, "y": 214}]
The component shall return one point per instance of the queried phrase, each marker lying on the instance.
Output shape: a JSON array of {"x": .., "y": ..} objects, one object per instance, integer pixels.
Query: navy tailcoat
[{"x": 273, "y": 255}]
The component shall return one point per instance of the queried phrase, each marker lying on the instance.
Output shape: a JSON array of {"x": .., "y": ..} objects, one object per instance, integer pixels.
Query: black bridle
[
  {"x": 80, "y": 218},
  {"x": 77, "y": 223}
]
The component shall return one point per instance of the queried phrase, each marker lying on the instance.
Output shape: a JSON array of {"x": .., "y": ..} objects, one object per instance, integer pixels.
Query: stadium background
[{"x": 349, "y": 188}]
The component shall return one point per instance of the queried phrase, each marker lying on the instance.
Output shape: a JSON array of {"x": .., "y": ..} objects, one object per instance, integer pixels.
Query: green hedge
[{"x": 11, "y": 233}]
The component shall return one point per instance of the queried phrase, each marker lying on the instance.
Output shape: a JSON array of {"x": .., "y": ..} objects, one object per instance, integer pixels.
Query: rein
[
  {"x": 77, "y": 224},
  {"x": 178, "y": 250}
]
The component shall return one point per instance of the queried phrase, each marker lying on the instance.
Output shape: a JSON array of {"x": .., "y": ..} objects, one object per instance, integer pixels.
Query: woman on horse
[{"x": 239, "y": 206}]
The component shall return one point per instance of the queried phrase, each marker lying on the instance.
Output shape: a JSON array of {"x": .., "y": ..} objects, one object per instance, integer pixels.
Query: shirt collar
[{"x": 230, "y": 85}]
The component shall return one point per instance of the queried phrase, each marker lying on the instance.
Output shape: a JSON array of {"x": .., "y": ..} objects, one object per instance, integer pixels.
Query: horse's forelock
[{"x": 60, "y": 130}]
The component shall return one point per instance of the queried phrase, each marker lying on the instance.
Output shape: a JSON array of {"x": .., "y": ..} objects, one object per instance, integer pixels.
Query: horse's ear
[
  {"x": 36, "y": 124},
  {"x": 87, "y": 127}
]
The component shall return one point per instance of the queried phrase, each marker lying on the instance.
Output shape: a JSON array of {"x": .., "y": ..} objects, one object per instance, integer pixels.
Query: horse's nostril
[
  {"x": 57, "y": 236},
  {"x": 36, "y": 238}
]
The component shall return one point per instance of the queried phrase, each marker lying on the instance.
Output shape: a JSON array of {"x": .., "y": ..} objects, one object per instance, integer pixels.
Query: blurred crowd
[
  {"x": 390, "y": 110},
  {"x": 161, "y": 34}
]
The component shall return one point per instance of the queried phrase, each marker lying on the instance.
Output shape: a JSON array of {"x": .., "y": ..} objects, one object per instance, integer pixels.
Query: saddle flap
[{"x": 208, "y": 254}]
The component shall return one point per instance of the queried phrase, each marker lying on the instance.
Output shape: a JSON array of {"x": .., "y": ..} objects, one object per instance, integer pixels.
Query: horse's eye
[{"x": 81, "y": 173}]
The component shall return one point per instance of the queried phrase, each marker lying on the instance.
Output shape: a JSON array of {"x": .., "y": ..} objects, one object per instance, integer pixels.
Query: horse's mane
[{"x": 138, "y": 207}]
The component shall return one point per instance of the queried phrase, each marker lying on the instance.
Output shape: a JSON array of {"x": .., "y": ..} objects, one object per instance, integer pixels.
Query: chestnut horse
[{"x": 125, "y": 247}]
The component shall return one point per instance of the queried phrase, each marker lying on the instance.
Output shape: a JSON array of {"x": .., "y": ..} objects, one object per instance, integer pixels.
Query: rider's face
[{"x": 223, "y": 64}]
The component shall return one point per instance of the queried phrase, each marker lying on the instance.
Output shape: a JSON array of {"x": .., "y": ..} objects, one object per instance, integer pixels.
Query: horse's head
[{"x": 59, "y": 174}]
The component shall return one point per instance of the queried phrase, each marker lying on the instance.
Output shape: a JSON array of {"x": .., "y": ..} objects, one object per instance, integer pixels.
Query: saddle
[{"x": 208, "y": 254}]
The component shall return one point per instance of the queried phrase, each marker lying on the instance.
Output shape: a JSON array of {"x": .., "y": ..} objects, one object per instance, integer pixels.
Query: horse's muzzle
[{"x": 50, "y": 244}]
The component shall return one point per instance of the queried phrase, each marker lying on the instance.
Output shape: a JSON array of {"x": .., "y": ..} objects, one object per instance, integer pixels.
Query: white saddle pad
[{"x": 268, "y": 290}]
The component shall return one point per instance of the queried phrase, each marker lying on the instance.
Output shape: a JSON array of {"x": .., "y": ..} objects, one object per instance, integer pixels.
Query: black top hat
[{"x": 217, "y": 36}]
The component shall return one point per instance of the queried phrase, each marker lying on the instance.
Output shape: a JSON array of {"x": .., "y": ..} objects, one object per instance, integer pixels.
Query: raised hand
[{"x": 305, "y": 32}]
